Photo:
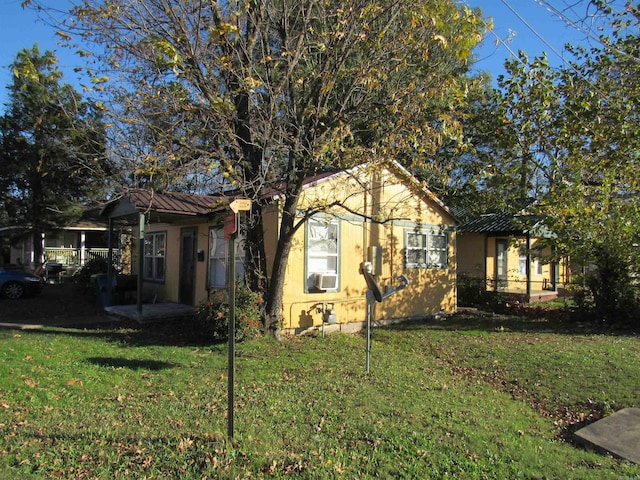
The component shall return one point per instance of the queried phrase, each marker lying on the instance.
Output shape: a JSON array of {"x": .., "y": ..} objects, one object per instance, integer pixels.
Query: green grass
[{"x": 469, "y": 397}]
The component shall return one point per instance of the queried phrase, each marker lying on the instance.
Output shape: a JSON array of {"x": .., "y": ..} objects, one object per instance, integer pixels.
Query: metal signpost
[
  {"x": 231, "y": 227},
  {"x": 374, "y": 294}
]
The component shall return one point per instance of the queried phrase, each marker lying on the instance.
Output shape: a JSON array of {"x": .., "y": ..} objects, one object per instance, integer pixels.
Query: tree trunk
[
  {"x": 255, "y": 254},
  {"x": 275, "y": 292},
  {"x": 38, "y": 252}
]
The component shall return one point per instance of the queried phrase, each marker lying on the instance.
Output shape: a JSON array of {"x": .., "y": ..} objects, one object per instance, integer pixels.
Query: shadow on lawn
[
  {"x": 527, "y": 319},
  {"x": 113, "y": 362},
  {"x": 183, "y": 333},
  {"x": 69, "y": 309}
]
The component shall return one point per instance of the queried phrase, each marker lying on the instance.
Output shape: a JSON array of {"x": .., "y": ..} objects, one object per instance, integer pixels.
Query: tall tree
[
  {"x": 467, "y": 173},
  {"x": 570, "y": 141},
  {"x": 52, "y": 148},
  {"x": 269, "y": 92},
  {"x": 595, "y": 204}
]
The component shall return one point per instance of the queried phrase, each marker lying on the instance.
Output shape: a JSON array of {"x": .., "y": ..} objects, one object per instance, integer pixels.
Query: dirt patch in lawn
[{"x": 58, "y": 304}]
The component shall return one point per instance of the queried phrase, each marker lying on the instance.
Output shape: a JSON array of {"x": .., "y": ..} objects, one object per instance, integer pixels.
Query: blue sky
[
  {"x": 544, "y": 30},
  {"x": 19, "y": 29}
]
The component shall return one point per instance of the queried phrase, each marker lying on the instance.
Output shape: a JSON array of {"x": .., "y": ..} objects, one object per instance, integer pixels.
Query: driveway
[{"x": 58, "y": 305}]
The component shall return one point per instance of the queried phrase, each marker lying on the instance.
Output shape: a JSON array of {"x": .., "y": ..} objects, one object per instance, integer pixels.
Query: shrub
[
  {"x": 92, "y": 266},
  {"x": 471, "y": 291},
  {"x": 582, "y": 297},
  {"x": 608, "y": 290},
  {"x": 611, "y": 282},
  {"x": 213, "y": 314}
]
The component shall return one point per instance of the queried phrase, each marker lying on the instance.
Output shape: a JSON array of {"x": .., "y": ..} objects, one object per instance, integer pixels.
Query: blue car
[{"x": 15, "y": 284}]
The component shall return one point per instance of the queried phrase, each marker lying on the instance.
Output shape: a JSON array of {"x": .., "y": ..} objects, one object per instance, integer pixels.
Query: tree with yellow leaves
[{"x": 257, "y": 93}]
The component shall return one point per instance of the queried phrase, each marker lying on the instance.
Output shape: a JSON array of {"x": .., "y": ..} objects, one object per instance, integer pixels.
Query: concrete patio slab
[
  {"x": 152, "y": 312},
  {"x": 618, "y": 434}
]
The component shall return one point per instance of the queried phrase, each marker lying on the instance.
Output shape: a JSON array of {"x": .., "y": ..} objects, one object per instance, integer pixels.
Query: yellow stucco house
[
  {"x": 510, "y": 254},
  {"x": 382, "y": 216}
]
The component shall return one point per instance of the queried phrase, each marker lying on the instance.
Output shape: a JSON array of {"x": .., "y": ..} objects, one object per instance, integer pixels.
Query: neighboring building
[
  {"x": 67, "y": 248},
  {"x": 381, "y": 216},
  {"x": 510, "y": 254}
]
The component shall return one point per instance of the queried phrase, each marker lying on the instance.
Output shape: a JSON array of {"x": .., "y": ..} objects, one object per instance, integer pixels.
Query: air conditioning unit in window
[{"x": 326, "y": 281}]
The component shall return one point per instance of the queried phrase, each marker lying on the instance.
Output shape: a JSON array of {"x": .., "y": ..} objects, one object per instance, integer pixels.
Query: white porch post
[
  {"x": 83, "y": 245},
  {"x": 40, "y": 260}
]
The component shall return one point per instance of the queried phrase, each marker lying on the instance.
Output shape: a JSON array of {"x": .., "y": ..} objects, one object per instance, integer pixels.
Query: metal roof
[
  {"x": 143, "y": 200},
  {"x": 500, "y": 223},
  {"x": 174, "y": 202}
]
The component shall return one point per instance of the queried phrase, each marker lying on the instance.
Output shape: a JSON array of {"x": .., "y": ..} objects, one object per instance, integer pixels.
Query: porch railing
[
  {"x": 74, "y": 257},
  {"x": 476, "y": 291}
]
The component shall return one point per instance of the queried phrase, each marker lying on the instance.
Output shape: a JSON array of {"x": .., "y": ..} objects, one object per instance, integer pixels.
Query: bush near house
[
  {"x": 213, "y": 315},
  {"x": 615, "y": 293},
  {"x": 472, "y": 292}
]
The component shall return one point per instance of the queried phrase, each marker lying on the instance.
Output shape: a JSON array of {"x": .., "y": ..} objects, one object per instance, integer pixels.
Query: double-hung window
[
  {"x": 219, "y": 259},
  {"x": 426, "y": 249},
  {"x": 154, "y": 256},
  {"x": 522, "y": 263},
  {"x": 537, "y": 263},
  {"x": 322, "y": 254}
]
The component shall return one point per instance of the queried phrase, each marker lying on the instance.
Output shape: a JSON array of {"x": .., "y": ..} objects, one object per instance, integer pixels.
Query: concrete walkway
[
  {"x": 618, "y": 434},
  {"x": 84, "y": 321},
  {"x": 157, "y": 312}
]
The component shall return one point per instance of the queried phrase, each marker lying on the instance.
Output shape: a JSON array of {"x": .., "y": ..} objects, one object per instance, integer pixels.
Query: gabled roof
[
  {"x": 393, "y": 166},
  {"x": 409, "y": 177},
  {"x": 175, "y": 203}
]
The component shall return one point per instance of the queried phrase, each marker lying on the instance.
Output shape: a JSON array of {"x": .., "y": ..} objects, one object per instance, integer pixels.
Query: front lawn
[{"x": 469, "y": 397}]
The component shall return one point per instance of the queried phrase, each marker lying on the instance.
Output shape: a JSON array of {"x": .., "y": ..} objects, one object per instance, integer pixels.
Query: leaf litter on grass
[{"x": 434, "y": 405}]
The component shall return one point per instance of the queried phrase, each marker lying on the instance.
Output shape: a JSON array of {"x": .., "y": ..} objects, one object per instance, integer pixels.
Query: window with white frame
[
  {"x": 537, "y": 262},
  {"x": 426, "y": 249},
  {"x": 154, "y": 256},
  {"x": 322, "y": 254},
  {"x": 219, "y": 258},
  {"x": 522, "y": 263}
]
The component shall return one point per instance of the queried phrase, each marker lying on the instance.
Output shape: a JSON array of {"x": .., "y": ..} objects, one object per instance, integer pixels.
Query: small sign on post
[
  {"x": 231, "y": 228},
  {"x": 240, "y": 205}
]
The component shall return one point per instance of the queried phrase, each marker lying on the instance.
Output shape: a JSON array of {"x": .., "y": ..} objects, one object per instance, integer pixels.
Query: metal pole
[
  {"x": 369, "y": 307},
  {"x": 528, "y": 267},
  {"x": 140, "y": 284},
  {"x": 232, "y": 332},
  {"x": 109, "y": 258}
]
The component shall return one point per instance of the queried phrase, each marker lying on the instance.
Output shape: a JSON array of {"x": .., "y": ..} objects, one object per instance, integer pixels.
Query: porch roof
[
  {"x": 172, "y": 203},
  {"x": 506, "y": 224},
  {"x": 80, "y": 225}
]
